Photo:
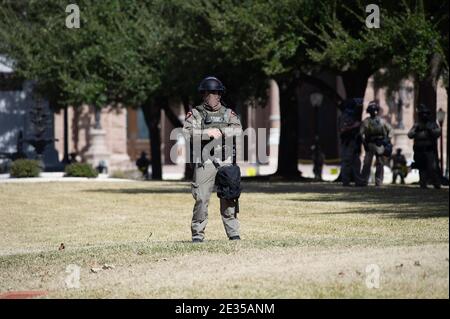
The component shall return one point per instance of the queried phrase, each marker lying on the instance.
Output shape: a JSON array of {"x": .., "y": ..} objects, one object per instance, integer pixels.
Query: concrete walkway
[{"x": 176, "y": 172}]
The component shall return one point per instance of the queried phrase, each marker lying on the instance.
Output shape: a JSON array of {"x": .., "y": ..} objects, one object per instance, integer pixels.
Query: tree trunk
[
  {"x": 323, "y": 87},
  {"x": 355, "y": 83},
  {"x": 152, "y": 116},
  {"x": 427, "y": 92},
  {"x": 288, "y": 147}
]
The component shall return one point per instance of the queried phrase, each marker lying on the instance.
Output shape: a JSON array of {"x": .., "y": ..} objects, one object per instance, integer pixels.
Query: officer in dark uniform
[
  {"x": 425, "y": 133},
  {"x": 349, "y": 125},
  {"x": 399, "y": 167},
  {"x": 142, "y": 164}
]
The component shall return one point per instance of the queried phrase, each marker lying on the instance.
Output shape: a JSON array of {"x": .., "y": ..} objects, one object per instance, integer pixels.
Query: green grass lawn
[{"x": 299, "y": 241}]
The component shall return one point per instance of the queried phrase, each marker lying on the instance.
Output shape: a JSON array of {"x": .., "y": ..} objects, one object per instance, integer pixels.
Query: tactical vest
[
  {"x": 423, "y": 141},
  {"x": 398, "y": 161},
  {"x": 219, "y": 119},
  {"x": 375, "y": 129}
]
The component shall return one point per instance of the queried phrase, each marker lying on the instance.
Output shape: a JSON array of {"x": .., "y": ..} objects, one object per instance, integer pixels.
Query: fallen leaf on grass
[{"x": 106, "y": 266}]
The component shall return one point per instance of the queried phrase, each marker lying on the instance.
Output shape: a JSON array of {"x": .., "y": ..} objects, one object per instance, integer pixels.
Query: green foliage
[
  {"x": 80, "y": 170},
  {"x": 409, "y": 35},
  {"x": 96, "y": 64},
  {"x": 131, "y": 51},
  {"x": 267, "y": 34},
  {"x": 25, "y": 168}
]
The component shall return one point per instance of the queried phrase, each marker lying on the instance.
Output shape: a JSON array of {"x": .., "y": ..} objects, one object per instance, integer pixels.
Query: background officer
[
  {"x": 142, "y": 164},
  {"x": 318, "y": 158},
  {"x": 376, "y": 134},
  {"x": 425, "y": 133},
  {"x": 399, "y": 166},
  {"x": 349, "y": 126},
  {"x": 210, "y": 121}
]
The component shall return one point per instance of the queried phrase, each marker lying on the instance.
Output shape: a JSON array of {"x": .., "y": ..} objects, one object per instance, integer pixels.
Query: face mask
[{"x": 212, "y": 100}]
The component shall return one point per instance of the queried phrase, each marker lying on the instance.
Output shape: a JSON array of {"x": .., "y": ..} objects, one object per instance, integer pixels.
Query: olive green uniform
[
  {"x": 373, "y": 129},
  {"x": 205, "y": 172}
]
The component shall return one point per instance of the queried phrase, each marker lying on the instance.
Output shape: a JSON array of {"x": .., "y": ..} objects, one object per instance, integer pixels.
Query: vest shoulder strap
[{"x": 227, "y": 115}]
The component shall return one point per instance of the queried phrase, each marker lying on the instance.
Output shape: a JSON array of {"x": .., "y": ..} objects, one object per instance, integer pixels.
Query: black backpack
[
  {"x": 228, "y": 179},
  {"x": 228, "y": 182}
]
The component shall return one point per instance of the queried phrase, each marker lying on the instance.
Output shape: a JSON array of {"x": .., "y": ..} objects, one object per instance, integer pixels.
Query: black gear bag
[{"x": 228, "y": 178}]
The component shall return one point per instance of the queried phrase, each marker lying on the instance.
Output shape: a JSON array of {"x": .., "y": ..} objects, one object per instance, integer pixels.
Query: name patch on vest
[{"x": 217, "y": 119}]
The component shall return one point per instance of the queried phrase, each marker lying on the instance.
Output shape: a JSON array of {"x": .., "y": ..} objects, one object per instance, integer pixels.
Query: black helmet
[
  {"x": 211, "y": 83},
  {"x": 373, "y": 107},
  {"x": 423, "y": 113}
]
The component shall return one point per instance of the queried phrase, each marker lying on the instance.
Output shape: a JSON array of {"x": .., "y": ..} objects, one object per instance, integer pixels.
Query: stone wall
[{"x": 81, "y": 121}]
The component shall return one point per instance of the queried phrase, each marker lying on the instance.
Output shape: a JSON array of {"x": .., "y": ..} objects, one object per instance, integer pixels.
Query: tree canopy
[{"x": 141, "y": 53}]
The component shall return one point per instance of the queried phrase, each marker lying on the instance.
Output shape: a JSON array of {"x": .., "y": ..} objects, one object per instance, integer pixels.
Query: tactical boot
[
  {"x": 235, "y": 238},
  {"x": 197, "y": 240}
]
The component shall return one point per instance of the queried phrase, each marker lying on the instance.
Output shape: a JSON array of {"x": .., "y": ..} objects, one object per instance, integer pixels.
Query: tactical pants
[
  {"x": 398, "y": 172},
  {"x": 428, "y": 171},
  {"x": 379, "y": 169},
  {"x": 351, "y": 164},
  {"x": 202, "y": 187}
]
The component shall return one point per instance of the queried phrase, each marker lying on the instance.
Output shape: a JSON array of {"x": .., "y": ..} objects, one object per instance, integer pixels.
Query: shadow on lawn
[
  {"x": 394, "y": 201},
  {"x": 406, "y": 202}
]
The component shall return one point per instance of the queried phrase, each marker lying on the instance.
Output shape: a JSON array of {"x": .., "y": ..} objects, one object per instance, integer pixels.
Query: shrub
[
  {"x": 25, "y": 168},
  {"x": 80, "y": 170}
]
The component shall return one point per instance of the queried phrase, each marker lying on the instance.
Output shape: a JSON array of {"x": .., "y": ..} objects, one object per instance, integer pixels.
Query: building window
[{"x": 142, "y": 127}]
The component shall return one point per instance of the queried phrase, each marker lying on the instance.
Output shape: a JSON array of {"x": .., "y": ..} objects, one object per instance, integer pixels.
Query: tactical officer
[
  {"x": 349, "y": 126},
  {"x": 376, "y": 134},
  {"x": 142, "y": 164},
  {"x": 399, "y": 166},
  {"x": 210, "y": 121},
  {"x": 425, "y": 133},
  {"x": 318, "y": 158}
]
